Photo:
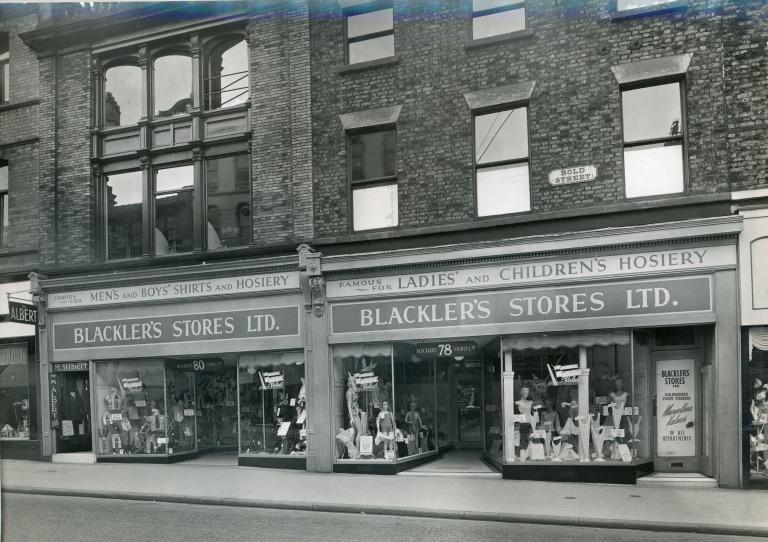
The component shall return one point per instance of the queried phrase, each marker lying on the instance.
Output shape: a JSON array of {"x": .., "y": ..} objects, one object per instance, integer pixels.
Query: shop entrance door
[
  {"x": 74, "y": 431},
  {"x": 469, "y": 385},
  {"x": 216, "y": 396},
  {"x": 677, "y": 426}
]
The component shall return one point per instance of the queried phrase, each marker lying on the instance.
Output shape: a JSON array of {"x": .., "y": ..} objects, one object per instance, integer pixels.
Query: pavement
[{"x": 708, "y": 511}]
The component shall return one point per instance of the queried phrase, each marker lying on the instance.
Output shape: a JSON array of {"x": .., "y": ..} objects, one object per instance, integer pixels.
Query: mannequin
[
  {"x": 550, "y": 423},
  {"x": 385, "y": 426},
  {"x": 357, "y": 418},
  {"x": 524, "y": 406},
  {"x": 414, "y": 425},
  {"x": 619, "y": 399}
]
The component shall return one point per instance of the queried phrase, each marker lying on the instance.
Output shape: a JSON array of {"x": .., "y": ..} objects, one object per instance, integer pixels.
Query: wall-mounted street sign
[
  {"x": 572, "y": 175},
  {"x": 22, "y": 313}
]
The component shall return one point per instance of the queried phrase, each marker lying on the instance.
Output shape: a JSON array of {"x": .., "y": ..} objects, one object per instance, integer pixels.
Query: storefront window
[
  {"x": 131, "y": 408},
  {"x": 494, "y": 421},
  {"x": 757, "y": 417},
  {"x": 414, "y": 399},
  {"x": 181, "y": 401},
  {"x": 273, "y": 404},
  {"x": 576, "y": 398},
  {"x": 16, "y": 418}
]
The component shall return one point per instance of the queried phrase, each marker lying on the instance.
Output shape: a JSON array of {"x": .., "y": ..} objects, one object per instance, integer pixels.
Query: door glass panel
[
  {"x": 180, "y": 379},
  {"x": 468, "y": 401}
]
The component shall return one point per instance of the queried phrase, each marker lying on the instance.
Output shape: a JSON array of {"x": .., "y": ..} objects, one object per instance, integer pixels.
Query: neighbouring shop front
[
  {"x": 154, "y": 371},
  {"x": 600, "y": 364}
]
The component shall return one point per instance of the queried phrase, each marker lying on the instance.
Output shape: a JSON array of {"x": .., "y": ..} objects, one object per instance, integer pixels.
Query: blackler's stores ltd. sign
[{"x": 642, "y": 297}]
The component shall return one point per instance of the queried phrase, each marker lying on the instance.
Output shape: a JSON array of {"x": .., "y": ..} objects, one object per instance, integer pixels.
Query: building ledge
[
  {"x": 501, "y": 38},
  {"x": 646, "y": 11},
  {"x": 10, "y": 106},
  {"x": 370, "y": 65}
]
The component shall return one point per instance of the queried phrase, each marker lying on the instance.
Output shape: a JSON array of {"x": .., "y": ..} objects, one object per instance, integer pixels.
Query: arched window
[
  {"x": 122, "y": 95},
  {"x": 172, "y": 78},
  {"x": 226, "y": 80}
]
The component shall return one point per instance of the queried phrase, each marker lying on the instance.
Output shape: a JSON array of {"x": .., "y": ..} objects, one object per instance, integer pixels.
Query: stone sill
[
  {"x": 370, "y": 65},
  {"x": 9, "y": 106},
  {"x": 501, "y": 38},
  {"x": 660, "y": 9}
]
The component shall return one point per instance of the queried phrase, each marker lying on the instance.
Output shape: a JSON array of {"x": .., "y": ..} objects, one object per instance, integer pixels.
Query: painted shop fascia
[{"x": 574, "y": 286}]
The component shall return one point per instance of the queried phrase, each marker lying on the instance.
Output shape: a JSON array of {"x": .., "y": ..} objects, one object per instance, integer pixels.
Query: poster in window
[{"x": 676, "y": 417}]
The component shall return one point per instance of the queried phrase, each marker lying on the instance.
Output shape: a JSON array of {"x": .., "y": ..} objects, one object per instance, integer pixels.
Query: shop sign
[
  {"x": 247, "y": 324},
  {"x": 572, "y": 175},
  {"x": 72, "y": 366},
  {"x": 366, "y": 381},
  {"x": 537, "y": 272},
  {"x": 132, "y": 384},
  {"x": 676, "y": 419},
  {"x": 22, "y": 313},
  {"x": 272, "y": 381},
  {"x": 246, "y": 284},
  {"x": 53, "y": 399},
  {"x": 679, "y": 295},
  {"x": 564, "y": 374},
  {"x": 199, "y": 365},
  {"x": 445, "y": 349}
]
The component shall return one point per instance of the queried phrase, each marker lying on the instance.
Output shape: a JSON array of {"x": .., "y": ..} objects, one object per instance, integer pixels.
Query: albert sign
[{"x": 22, "y": 313}]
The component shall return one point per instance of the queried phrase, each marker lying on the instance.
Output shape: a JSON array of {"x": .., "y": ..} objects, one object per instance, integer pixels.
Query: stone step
[
  {"x": 74, "y": 457},
  {"x": 677, "y": 479}
]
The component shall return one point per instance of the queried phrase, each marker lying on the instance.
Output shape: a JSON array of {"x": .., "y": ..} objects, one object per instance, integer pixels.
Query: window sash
[
  {"x": 5, "y": 83},
  {"x": 4, "y": 218},
  {"x": 367, "y": 36},
  {"x": 384, "y": 164}
]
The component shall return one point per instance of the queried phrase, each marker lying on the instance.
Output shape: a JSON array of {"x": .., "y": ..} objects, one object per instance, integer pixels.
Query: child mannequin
[
  {"x": 413, "y": 422},
  {"x": 385, "y": 426}
]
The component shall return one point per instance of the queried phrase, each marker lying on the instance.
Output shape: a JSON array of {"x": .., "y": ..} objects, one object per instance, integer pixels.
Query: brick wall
[{"x": 574, "y": 111}]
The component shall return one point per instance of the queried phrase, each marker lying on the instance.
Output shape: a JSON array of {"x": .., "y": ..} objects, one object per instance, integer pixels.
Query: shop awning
[
  {"x": 265, "y": 361},
  {"x": 565, "y": 340},
  {"x": 758, "y": 338},
  {"x": 360, "y": 350}
]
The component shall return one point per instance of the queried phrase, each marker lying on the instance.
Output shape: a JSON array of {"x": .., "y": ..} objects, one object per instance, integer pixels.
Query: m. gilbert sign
[{"x": 525, "y": 272}]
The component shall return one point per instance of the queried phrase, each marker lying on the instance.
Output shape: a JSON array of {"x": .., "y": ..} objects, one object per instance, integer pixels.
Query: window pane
[
  {"x": 228, "y": 84},
  {"x": 480, "y": 5},
  {"x": 5, "y": 91},
  {"x": 374, "y": 207},
  {"x": 173, "y": 85},
  {"x": 3, "y": 177},
  {"x": 6, "y": 218},
  {"x": 653, "y": 169},
  {"x": 16, "y": 414},
  {"x": 373, "y": 156},
  {"x": 122, "y": 96},
  {"x": 173, "y": 221},
  {"x": 124, "y": 198},
  {"x": 363, "y": 51},
  {"x": 651, "y": 112},
  {"x": 503, "y": 189},
  {"x": 370, "y": 22},
  {"x": 501, "y": 136},
  {"x": 494, "y": 24},
  {"x": 632, "y": 4},
  {"x": 174, "y": 178},
  {"x": 273, "y": 403},
  {"x": 229, "y": 201}
]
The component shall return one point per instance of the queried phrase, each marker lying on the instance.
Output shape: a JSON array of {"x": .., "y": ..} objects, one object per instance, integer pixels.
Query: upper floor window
[
  {"x": 123, "y": 215},
  {"x": 623, "y": 5},
  {"x": 372, "y": 157},
  {"x": 122, "y": 95},
  {"x": 172, "y": 85},
  {"x": 4, "y": 218},
  {"x": 174, "y": 197},
  {"x": 653, "y": 140},
  {"x": 496, "y": 17},
  {"x": 228, "y": 190},
  {"x": 370, "y": 33},
  {"x": 501, "y": 162},
  {"x": 5, "y": 68},
  {"x": 226, "y": 80}
]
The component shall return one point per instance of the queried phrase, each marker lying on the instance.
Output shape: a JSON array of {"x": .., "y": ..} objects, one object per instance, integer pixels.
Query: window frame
[
  {"x": 104, "y": 179},
  {"x": 369, "y": 183},
  {"x": 370, "y": 7},
  {"x": 527, "y": 159},
  {"x": 117, "y": 63},
  {"x": 196, "y": 197},
  {"x": 5, "y": 199},
  {"x": 204, "y": 195},
  {"x": 217, "y": 46},
  {"x": 179, "y": 50},
  {"x": 511, "y": 6},
  {"x": 682, "y": 138},
  {"x": 5, "y": 97}
]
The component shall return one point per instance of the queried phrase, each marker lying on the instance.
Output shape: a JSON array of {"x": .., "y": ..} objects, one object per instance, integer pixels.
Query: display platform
[
  {"x": 383, "y": 467},
  {"x": 146, "y": 458},
  {"x": 573, "y": 471},
  {"x": 295, "y": 462}
]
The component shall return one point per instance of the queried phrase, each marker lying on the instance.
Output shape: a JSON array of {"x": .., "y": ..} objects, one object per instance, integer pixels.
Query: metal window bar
[{"x": 226, "y": 88}]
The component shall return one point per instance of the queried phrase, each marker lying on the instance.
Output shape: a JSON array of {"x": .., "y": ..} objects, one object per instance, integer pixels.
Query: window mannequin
[{"x": 385, "y": 426}]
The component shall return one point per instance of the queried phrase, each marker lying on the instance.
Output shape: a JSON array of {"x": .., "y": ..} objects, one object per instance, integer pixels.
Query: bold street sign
[
  {"x": 22, "y": 313},
  {"x": 246, "y": 284},
  {"x": 528, "y": 272},
  {"x": 689, "y": 294},
  {"x": 571, "y": 175},
  {"x": 257, "y": 323}
]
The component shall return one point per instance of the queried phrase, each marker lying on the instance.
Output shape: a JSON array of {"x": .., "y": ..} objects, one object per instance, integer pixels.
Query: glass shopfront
[
  {"x": 18, "y": 420},
  {"x": 756, "y": 399}
]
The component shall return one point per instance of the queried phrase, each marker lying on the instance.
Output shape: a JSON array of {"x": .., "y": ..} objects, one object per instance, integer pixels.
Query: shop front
[
  {"x": 600, "y": 364},
  {"x": 155, "y": 371}
]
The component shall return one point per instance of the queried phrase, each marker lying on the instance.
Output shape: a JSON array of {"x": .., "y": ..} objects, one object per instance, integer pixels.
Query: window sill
[
  {"x": 501, "y": 38},
  {"x": 660, "y": 9},
  {"x": 9, "y": 106},
  {"x": 370, "y": 65}
]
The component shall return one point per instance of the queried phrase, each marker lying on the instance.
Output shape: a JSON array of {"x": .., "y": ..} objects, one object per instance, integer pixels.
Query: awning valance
[
  {"x": 758, "y": 338},
  {"x": 565, "y": 340}
]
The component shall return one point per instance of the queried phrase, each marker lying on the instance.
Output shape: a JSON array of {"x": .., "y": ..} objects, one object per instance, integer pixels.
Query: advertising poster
[{"x": 676, "y": 417}]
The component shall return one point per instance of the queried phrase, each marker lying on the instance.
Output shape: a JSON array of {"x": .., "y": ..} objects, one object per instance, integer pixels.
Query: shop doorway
[
  {"x": 71, "y": 389},
  {"x": 469, "y": 412},
  {"x": 678, "y": 426}
]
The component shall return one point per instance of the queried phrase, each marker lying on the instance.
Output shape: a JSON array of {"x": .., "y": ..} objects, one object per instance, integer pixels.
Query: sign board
[
  {"x": 53, "y": 399},
  {"x": 676, "y": 408},
  {"x": 273, "y": 380},
  {"x": 200, "y": 365},
  {"x": 564, "y": 374},
  {"x": 445, "y": 349},
  {"x": 663, "y": 296},
  {"x": 366, "y": 445},
  {"x": 525, "y": 272},
  {"x": 246, "y": 284},
  {"x": 68, "y": 367},
  {"x": 22, "y": 313},
  {"x": 256, "y": 323},
  {"x": 366, "y": 381},
  {"x": 572, "y": 175},
  {"x": 67, "y": 428}
]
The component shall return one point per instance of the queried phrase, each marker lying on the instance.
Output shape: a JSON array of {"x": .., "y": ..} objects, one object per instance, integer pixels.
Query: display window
[
  {"x": 757, "y": 397},
  {"x": 578, "y": 397},
  {"x": 273, "y": 404},
  {"x": 17, "y": 420}
]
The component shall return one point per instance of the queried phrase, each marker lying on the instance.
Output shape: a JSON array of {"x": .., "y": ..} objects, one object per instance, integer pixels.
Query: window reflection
[
  {"x": 651, "y": 112},
  {"x": 172, "y": 85},
  {"x": 174, "y": 204},
  {"x": 373, "y": 155},
  {"x": 124, "y": 199},
  {"x": 501, "y": 136},
  {"x": 122, "y": 95},
  {"x": 227, "y": 83},
  {"x": 229, "y": 201}
]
